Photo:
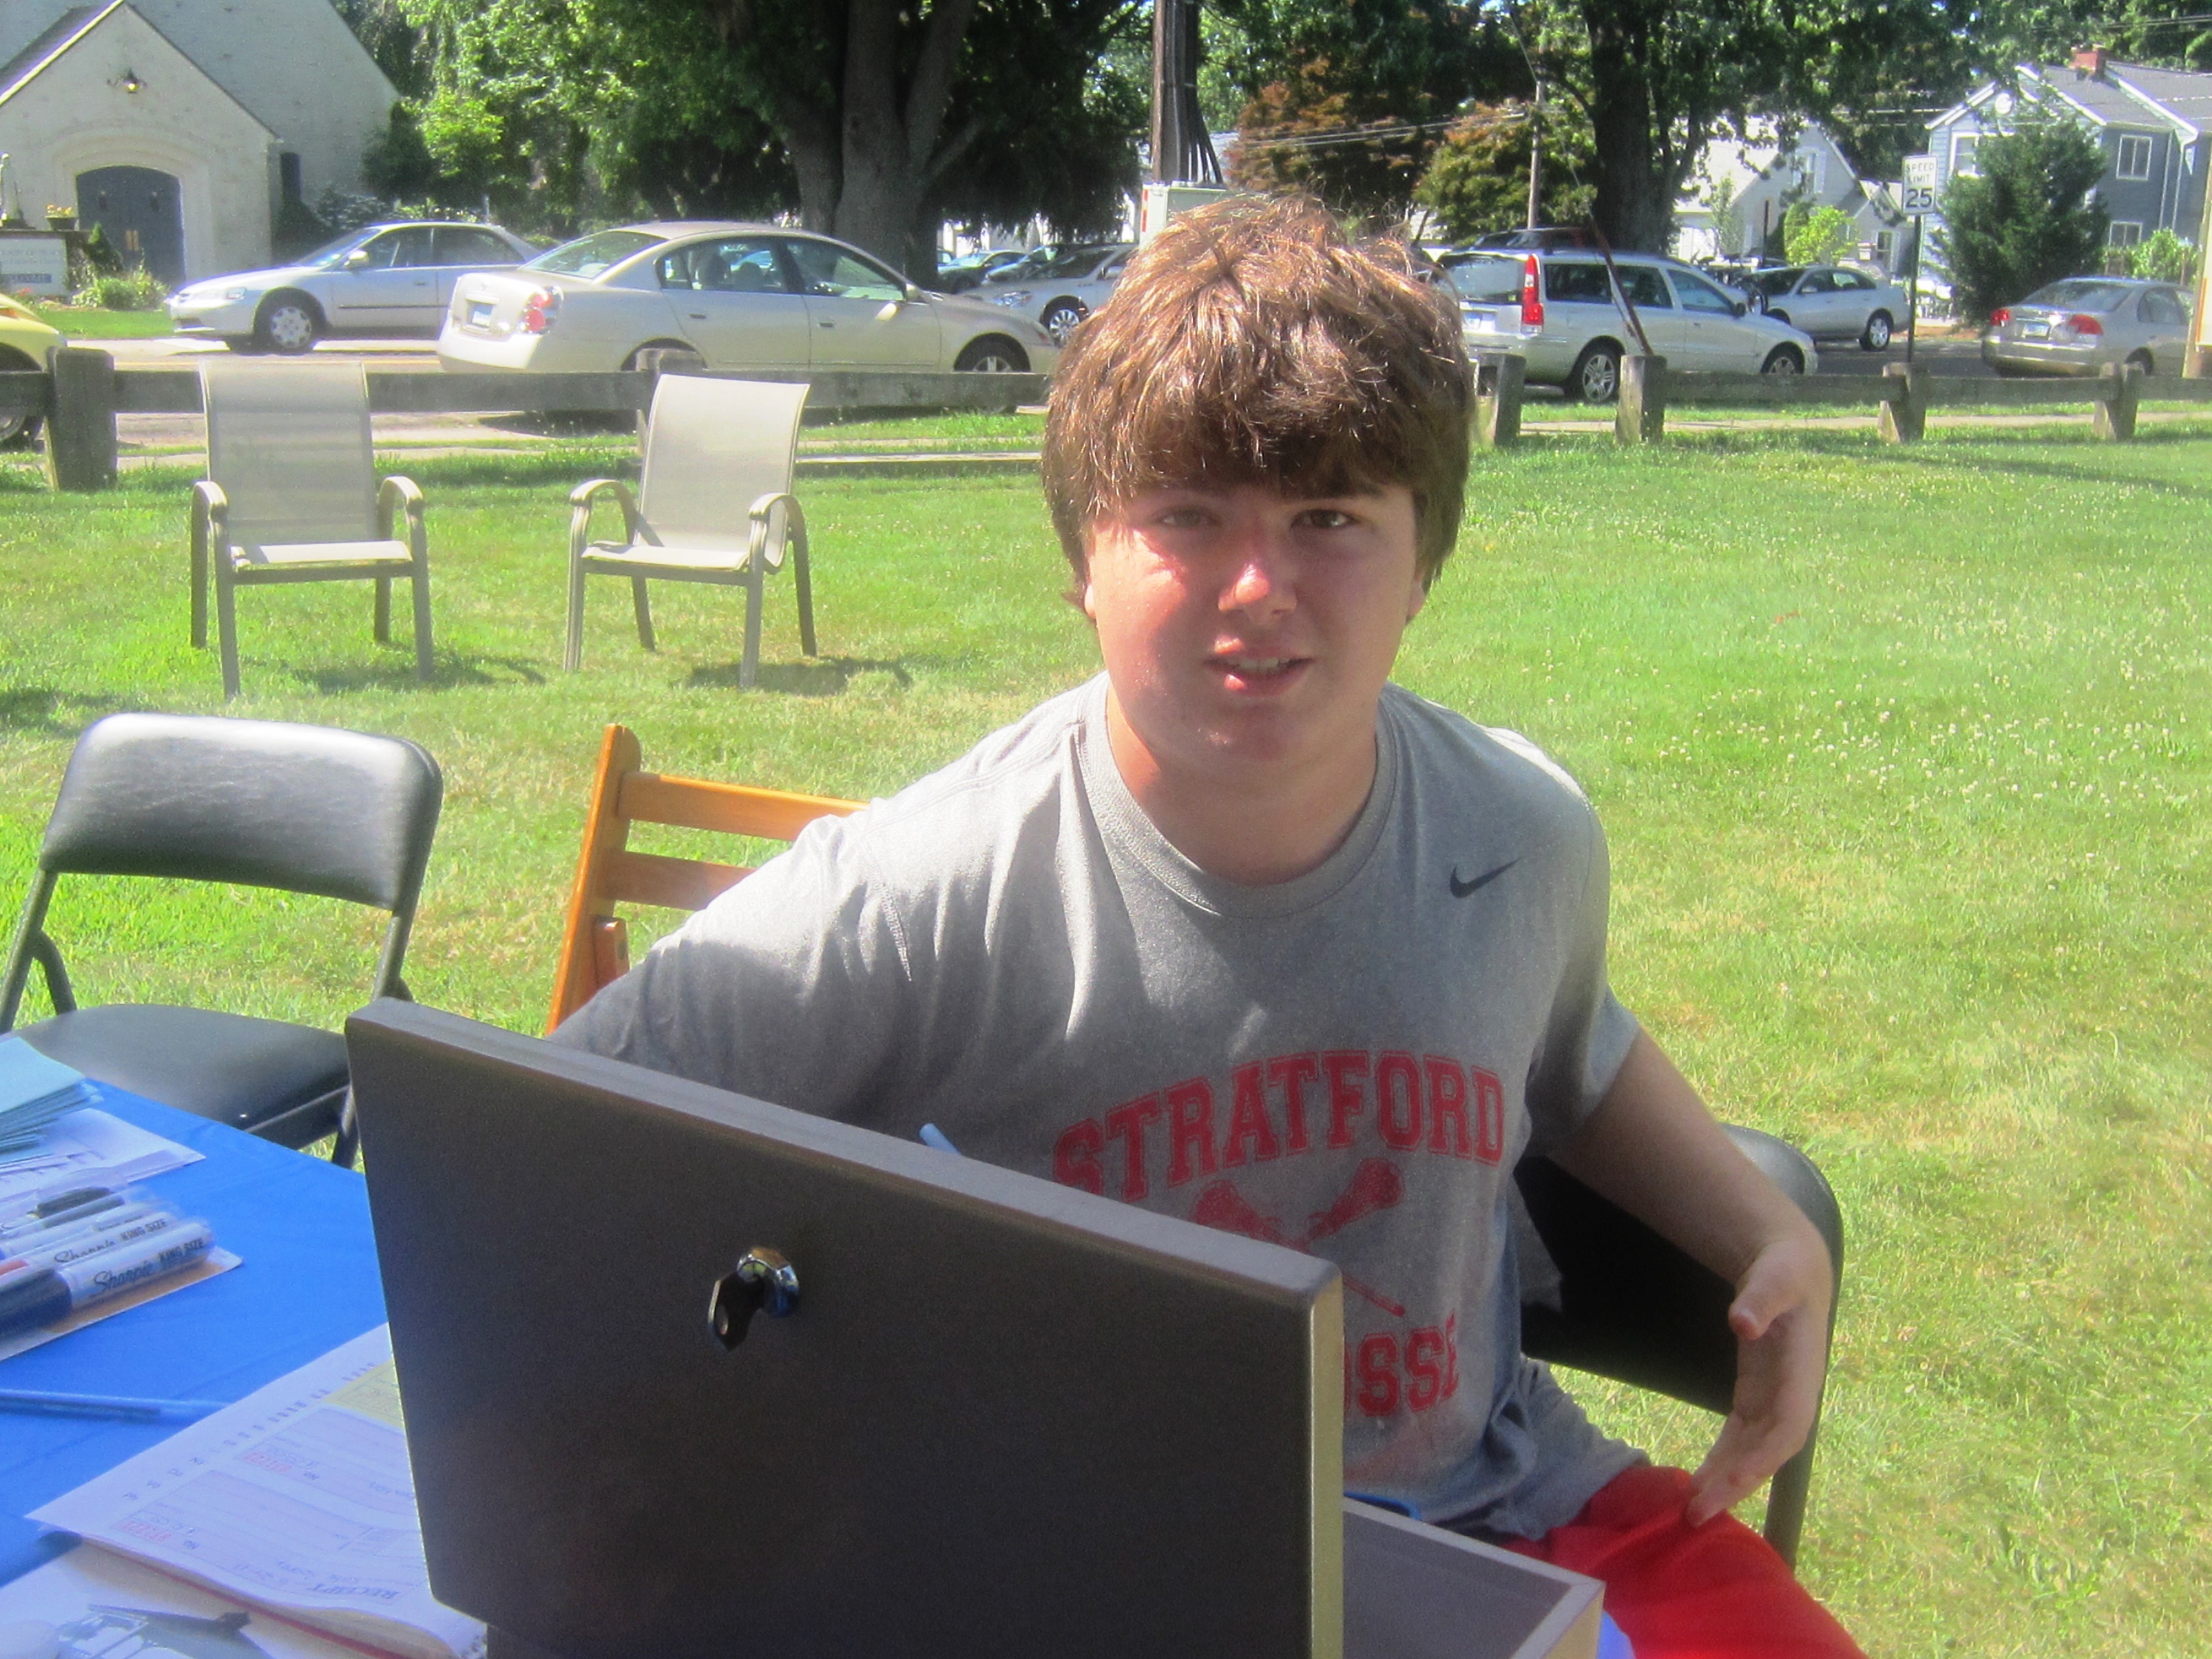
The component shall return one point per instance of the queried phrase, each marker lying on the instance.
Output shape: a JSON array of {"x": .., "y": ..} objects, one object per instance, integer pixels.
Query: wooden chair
[{"x": 595, "y": 948}]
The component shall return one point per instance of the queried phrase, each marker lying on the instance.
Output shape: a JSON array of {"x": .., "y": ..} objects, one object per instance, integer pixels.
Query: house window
[
  {"x": 1963, "y": 146},
  {"x": 1884, "y": 246},
  {"x": 1812, "y": 172},
  {"x": 2124, "y": 233},
  {"x": 2134, "y": 158}
]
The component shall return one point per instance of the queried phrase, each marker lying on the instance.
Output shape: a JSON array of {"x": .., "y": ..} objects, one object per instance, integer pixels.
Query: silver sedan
[
  {"x": 2078, "y": 325},
  {"x": 1830, "y": 302}
]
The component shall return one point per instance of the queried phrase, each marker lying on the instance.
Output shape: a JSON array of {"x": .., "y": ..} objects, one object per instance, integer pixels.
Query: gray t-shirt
[{"x": 1349, "y": 1063}]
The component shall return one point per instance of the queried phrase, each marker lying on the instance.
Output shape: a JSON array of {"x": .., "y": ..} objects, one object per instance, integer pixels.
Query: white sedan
[
  {"x": 1060, "y": 289},
  {"x": 383, "y": 279},
  {"x": 742, "y": 295}
]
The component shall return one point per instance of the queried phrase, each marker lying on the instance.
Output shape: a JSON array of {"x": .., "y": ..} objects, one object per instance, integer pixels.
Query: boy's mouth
[{"x": 1244, "y": 671}]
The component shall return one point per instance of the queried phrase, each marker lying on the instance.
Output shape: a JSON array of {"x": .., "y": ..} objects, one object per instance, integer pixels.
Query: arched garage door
[{"x": 141, "y": 211}]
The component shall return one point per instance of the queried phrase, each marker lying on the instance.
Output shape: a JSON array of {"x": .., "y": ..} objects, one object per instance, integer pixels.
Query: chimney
[{"x": 2089, "y": 60}]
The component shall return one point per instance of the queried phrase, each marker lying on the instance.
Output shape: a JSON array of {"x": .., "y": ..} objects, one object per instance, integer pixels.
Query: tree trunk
[
  {"x": 864, "y": 147},
  {"x": 889, "y": 131},
  {"x": 1635, "y": 180}
]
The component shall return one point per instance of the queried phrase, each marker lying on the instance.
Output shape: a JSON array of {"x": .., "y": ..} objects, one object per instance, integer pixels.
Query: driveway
[{"x": 1943, "y": 355}]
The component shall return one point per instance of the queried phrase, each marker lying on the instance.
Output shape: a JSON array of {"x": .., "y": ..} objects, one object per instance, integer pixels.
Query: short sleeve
[
  {"x": 793, "y": 987},
  {"x": 1588, "y": 1035}
]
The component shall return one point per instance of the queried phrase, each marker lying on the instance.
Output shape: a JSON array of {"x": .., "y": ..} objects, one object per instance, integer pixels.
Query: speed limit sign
[{"x": 1919, "y": 192}]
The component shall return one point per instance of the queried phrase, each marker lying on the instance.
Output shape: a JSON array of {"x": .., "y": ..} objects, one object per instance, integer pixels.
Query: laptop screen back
[{"x": 1004, "y": 1417}]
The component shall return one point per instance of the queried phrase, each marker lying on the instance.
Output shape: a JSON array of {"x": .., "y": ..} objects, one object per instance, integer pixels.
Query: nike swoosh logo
[{"x": 1461, "y": 888}]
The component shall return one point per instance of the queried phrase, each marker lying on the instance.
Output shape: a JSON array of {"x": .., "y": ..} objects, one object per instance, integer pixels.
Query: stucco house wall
[
  {"x": 75, "y": 115},
  {"x": 292, "y": 63}
]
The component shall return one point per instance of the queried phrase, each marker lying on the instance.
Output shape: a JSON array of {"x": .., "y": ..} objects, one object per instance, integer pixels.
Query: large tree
[
  {"x": 1479, "y": 179},
  {"x": 1349, "y": 98},
  {"x": 1657, "y": 80},
  {"x": 871, "y": 117}
]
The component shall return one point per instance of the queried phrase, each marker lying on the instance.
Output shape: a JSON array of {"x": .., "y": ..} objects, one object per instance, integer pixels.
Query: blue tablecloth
[{"x": 307, "y": 1282}]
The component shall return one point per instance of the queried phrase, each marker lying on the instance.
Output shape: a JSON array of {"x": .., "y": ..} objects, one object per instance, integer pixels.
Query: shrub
[
  {"x": 2163, "y": 257},
  {"x": 1816, "y": 236},
  {"x": 135, "y": 289},
  {"x": 2030, "y": 218}
]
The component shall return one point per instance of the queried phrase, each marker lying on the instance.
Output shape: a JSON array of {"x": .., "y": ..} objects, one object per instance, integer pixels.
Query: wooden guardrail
[{"x": 84, "y": 391}]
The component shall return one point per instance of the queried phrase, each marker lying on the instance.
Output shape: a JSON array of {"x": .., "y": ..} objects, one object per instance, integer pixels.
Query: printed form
[{"x": 297, "y": 1498}]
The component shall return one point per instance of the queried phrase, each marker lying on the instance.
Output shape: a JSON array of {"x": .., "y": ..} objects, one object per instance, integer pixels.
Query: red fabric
[{"x": 1716, "y": 1591}]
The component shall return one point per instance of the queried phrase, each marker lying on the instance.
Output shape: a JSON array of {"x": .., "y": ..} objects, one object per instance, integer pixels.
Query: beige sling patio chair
[
  {"x": 292, "y": 496},
  {"x": 714, "y": 505}
]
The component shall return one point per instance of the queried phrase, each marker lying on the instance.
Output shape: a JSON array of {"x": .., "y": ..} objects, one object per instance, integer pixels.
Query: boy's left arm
[{"x": 1652, "y": 1148}]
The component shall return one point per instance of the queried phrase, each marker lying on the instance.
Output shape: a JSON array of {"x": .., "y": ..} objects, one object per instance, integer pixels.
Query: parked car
[
  {"x": 2078, "y": 325},
  {"x": 958, "y": 276},
  {"x": 381, "y": 280},
  {"x": 1061, "y": 288},
  {"x": 1830, "y": 302},
  {"x": 24, "y": 342},
  {"x": 742, "y": 295},
  {"x": 1562, "y": 312},
  {"x": 1541, "y": 238}
]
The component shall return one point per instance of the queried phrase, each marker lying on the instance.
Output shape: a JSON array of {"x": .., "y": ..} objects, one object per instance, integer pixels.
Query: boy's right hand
[{"x": 1780, "y": 1318}]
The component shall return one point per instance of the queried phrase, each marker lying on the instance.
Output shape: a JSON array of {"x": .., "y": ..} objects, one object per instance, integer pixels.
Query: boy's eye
[
  {"x": 1183, "y": 518},
  {"x": 1325, "y": 518}
]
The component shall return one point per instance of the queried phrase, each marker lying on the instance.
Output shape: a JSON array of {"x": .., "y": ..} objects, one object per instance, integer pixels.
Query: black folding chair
[
  {"x": 1632, "y": 1307},
  {"x": 303, "y": 809}
]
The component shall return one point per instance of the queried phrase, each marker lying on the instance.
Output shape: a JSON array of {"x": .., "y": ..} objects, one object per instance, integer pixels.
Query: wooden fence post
[
  {"x": 80, "y": 427},
  {"x": 1500, "y": 380},
  {"x": 659, "y": 361},
  {"x": 1640, "y": 416},
  {"x": 2119, "y": 389},
  {"x": 1905, "y": 411}
]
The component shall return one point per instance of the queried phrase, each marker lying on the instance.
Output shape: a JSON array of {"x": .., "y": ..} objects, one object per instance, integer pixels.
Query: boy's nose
[{"x": 1260, "y": 577}]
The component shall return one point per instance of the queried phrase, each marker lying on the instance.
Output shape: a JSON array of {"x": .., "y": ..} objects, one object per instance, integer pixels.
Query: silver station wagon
[{"x": 1562, "y": 312}]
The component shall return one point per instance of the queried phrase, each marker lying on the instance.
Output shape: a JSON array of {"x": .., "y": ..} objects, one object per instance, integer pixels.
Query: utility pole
[
  {"x": 1536, "y": 152},
  {"x": 1182, "y": 153}
]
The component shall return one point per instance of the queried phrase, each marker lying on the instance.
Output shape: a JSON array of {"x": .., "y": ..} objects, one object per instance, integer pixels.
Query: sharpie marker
[
  {"x": 54, "y": 1293},
  {"x": 129, "y": 1225}
]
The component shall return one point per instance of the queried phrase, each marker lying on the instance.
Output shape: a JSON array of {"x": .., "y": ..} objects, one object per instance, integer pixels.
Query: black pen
[
  {"x": 53, "y": 1293},
  {"x": 62, "y": 1212}
]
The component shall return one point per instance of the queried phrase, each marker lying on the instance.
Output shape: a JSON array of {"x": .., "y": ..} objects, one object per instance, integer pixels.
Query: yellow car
[{"x": 23, "y": 342}]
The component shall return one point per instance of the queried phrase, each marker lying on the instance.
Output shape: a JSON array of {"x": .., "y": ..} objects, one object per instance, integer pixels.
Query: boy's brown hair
[{"x": 1252, "y": 342}]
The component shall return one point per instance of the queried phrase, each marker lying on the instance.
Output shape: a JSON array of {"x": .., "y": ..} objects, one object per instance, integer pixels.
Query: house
[
  {"x": 180, "y": 127},
  {"x": 1742, "y": 188},
  {"x": 2150, "y": 123}
]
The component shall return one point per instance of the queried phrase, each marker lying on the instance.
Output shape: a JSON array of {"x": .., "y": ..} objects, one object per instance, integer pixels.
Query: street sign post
[{"x": 1919, "y": 201}]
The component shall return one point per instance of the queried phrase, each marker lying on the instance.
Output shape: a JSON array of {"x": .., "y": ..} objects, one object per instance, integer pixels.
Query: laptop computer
[{"x": 688, "y": 1374}]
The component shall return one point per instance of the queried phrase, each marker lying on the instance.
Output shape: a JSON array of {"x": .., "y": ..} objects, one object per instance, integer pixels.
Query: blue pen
[
  {"x": 43, "y": 1404},
  {"x": 933, "y": 1136}
]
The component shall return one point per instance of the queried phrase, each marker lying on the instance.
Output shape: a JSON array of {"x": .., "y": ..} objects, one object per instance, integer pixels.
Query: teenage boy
[{"x": 1241, "y": 933}]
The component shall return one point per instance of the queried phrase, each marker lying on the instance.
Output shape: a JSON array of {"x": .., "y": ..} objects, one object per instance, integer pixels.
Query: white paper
[
  {"x": 297, "y": 1498},
  {"x": 92, "y": 1604},
  {"x": 87, "y": 1148}
]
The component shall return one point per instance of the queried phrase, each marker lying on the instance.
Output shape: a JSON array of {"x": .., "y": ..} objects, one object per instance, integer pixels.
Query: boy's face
[{"x": 1246, "y": 630}]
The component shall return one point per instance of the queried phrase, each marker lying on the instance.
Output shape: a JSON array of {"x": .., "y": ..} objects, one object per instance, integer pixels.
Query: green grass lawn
[
  {"x": 98, "y": 322},
  {"x": 1904, "y": 759}
]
